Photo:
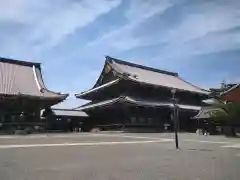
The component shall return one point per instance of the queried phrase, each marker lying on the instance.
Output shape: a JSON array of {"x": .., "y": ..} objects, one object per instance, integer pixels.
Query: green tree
[{"x": 229, "y": 115}]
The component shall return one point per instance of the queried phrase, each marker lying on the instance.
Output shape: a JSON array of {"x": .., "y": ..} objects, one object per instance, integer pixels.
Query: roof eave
[
  {"x": 61, "y": 96},
  {"x": 93, "y": 90},
  {"x": 126, "y": 99},
  {"x": 178, "y": 89},
  {"x": 90, "y": 106},
  {"x": 227, "y": 91}
]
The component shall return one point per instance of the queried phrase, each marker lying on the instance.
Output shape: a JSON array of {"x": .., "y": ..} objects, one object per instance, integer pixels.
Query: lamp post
[{"x": 175, "y": 118}]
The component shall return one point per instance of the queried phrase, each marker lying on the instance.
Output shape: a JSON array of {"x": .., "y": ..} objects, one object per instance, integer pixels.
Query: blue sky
[{"x": 199, "y": 39}]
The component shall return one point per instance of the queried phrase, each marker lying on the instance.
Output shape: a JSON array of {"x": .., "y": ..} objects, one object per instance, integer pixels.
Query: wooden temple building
[
  {"x": 23, "y": 94},
  {"x": 132, "y": 95}
]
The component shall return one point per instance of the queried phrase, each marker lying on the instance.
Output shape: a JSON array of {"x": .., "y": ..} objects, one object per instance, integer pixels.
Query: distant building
[
  {"x": 23, "y": 94},
  {"x": 133, "y": 95},
  {"x": 232, "y": 94},
  {"x": 227, "y": 93},
  {"x": 203, "y": 119},
  {"x": 65, "y": 119}
]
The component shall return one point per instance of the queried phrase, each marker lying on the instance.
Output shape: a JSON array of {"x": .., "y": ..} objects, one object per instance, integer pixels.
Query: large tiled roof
[
  {"x": 24, "y": 79},
  {"x": 152, "y": 76}
]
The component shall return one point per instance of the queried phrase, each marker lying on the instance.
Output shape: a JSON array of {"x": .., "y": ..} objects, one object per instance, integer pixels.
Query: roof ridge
[
  {"x": 193, "y": 84},
  {"x": 19, "y": 62},
  {"x": 230, "y": 89},
  {"x": 64, "y": 109},
  {"x": 141, "y": 66}
]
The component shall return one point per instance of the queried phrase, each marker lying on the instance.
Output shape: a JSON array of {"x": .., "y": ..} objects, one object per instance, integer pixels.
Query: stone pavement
[{"x": 116, "y": 156}]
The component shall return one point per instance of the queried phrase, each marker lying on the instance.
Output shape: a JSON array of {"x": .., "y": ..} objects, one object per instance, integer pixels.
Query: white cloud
[
  {"x": 197, "y": 32},
  {"x": 212, "y": 43},
  {"x": 74, "y": 16},
  {"x": 205, "y": 31},
  {"x": 47, "y": 23},
  {"x": 142, "y": 9},
  {"x": 12, "y": 10},
  {"x": 232, "y": 80},
  {"x": 139, "y": 11},
  {"x": 212, "y": 17}
]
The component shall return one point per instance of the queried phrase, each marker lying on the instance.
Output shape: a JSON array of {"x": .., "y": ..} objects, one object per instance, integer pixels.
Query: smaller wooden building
[
  {"x": 203, "y": 119},
  {"x": 227, "y": 94},
  {"x": 65, "y": 119},
  {"x": 23, "y": 94}
]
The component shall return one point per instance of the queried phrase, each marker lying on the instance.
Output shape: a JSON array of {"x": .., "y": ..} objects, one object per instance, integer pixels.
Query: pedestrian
[{"x": 205, "y": 131}]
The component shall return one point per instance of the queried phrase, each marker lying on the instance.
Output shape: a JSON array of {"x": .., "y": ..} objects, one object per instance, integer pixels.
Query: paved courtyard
[{"x": 119, "y": 156}]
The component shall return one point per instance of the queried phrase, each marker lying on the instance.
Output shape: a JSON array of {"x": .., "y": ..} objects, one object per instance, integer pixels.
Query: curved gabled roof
[
  {"x": 21, "y": 78},
  {"x": 152, "y": 76},
  {"x": 144, "y": 75}
]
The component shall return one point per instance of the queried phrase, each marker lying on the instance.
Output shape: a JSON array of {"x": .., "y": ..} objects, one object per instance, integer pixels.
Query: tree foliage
[{"x": 229, "y": 113}]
